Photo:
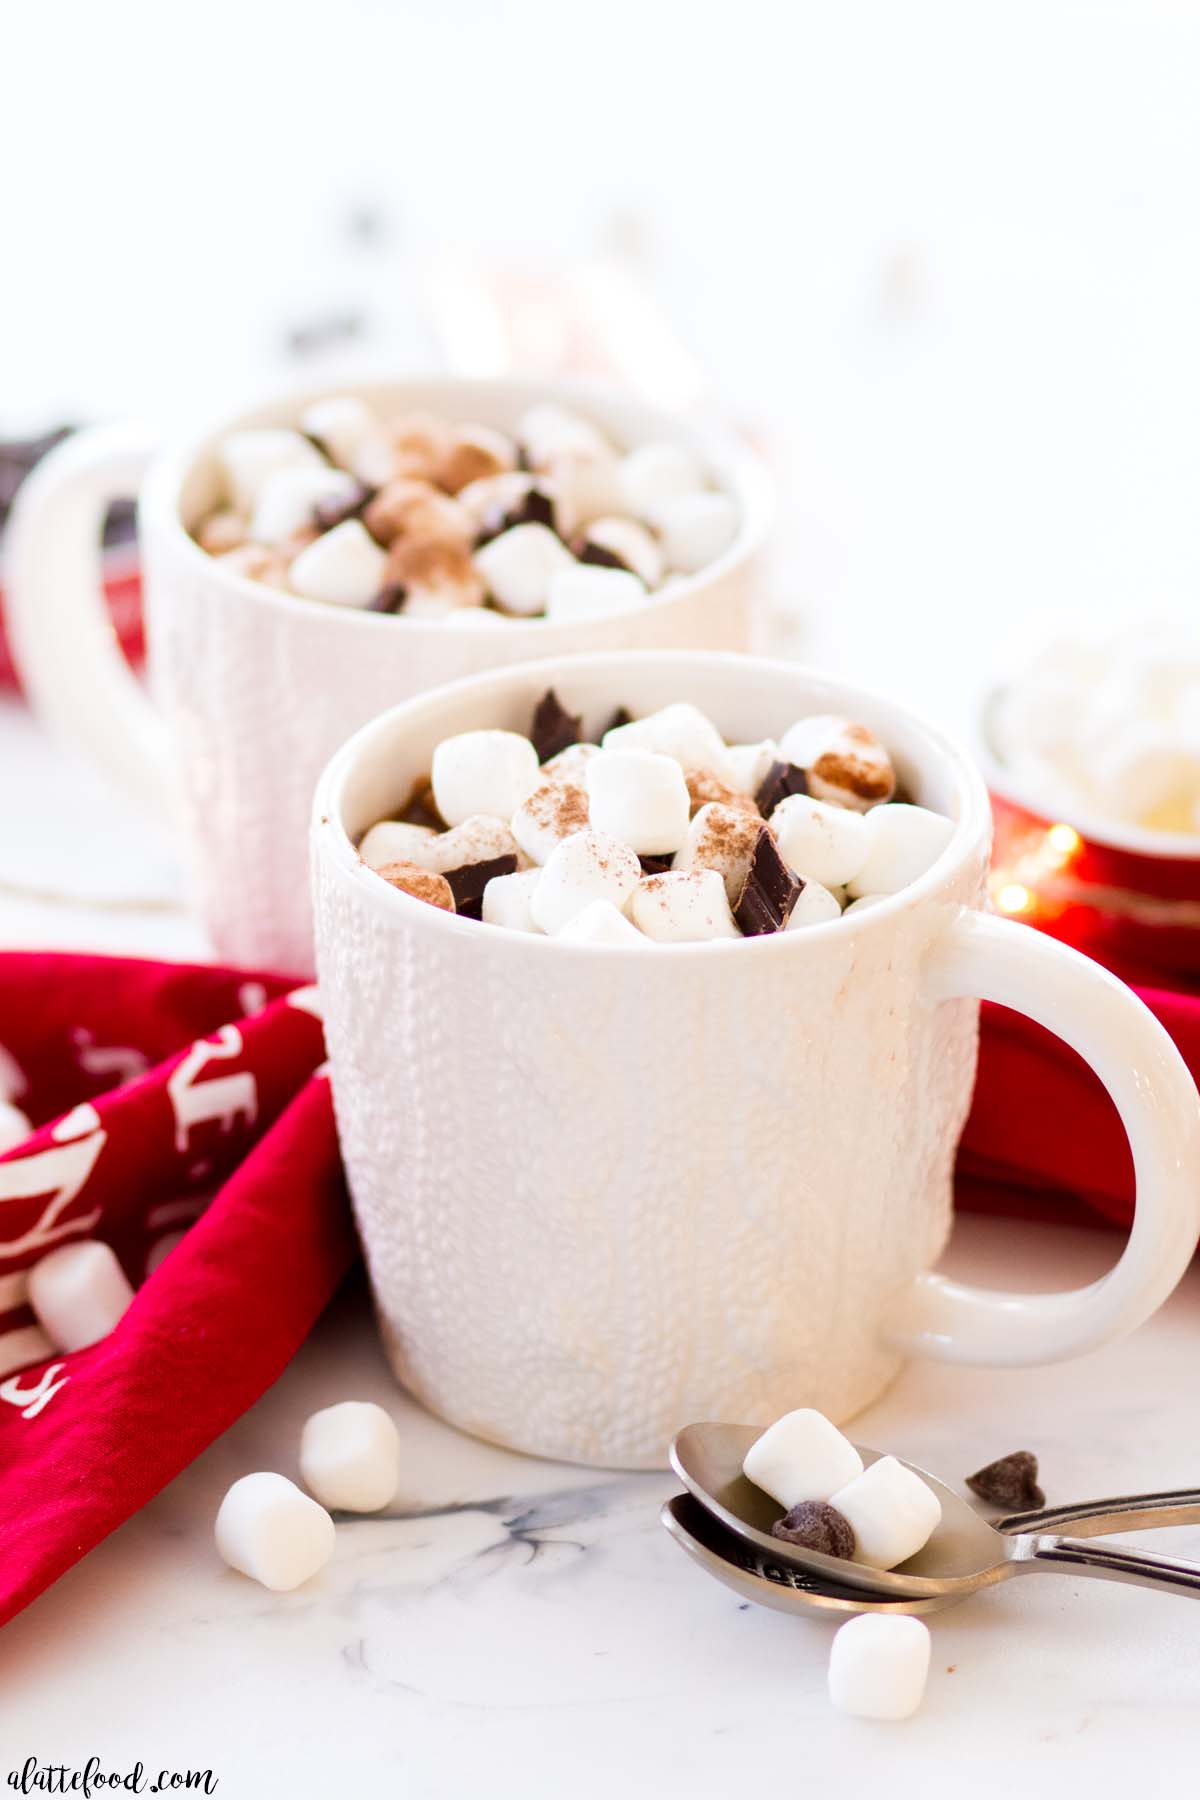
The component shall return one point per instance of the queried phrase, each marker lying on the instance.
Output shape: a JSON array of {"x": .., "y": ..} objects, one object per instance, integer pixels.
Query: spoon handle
[
  {"x": 1112, "y": 1562},
  {"x": 1097, "y": 1518}
]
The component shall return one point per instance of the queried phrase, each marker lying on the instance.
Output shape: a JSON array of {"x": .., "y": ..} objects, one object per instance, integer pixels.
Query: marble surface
[{"x": 521, "y": 1628}]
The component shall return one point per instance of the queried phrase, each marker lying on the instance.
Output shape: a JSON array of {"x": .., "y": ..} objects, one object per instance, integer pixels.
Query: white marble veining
[{"x": 521, "y": 1628}]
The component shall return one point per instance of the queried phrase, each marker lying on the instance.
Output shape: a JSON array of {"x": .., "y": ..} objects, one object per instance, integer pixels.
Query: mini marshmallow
[
  {"x": 414, "y": 511},
  {"x": 420, "y": 884},
  {"x": 483, "y": 772},
  {"x": 222, "y": 530},
  {"x": 879, "y": 1665},
  {"x": 79, "y": 1293},
  {"x": 696, "y": 529},
  {"x": 249, "y": 458},
  {"x": 496, "y": 502},
  {"x": 600, "y": 923},
  {"x": 481, "y": 838},
  {"x": 589, "y": 592},
  {"x": 865, "y": 900},
  {"x": 585, "y": 867},
  {"x": 256, "y": 563},
  {"x": 268, "y": 1529},
  {"x": 680, "y": 730},
  {"x": 555, "y": 809},
  {"x": 690, "y": 907},
  {"x": 518, "y": 566},
  {"x": 617, "y": 542},
  {"x": 845, "y": 763},
  {"x": 569, "y": 764},
  {"x": 287, "y": 502},
  {"x": 506, "y": 900},
  {"x": 816, "y": 906},
  {"x": 15, "y": 1126},
  {"x": 391, "y": 841},
  {"x": 583, "y": 489},
  {"x": 802, "y": 1456},
  {"x": 340, "y": 425},
  {"x": 903, "y": 841},
  {"x": 892, "y": 1511},
  {"x": 721, "y": 838},
  {"x": 823, "y": 843},
  {"x": 350, "y": 1456},
  {"x": 655, "y": 474},
  {"x": 435, "y": 577},
  {"x": 748, "y": 765},
  {"x": 549, "y": 431},
  {"x": 474, "y": 453},
  {"x": 345, "y": 566},
  {"x": 639, "y": 797}
]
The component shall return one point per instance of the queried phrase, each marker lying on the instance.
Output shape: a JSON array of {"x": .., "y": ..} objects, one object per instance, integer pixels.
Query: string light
[
  {"x": 1064, "y": 840},
  {"x": 1014, "y": 897}
]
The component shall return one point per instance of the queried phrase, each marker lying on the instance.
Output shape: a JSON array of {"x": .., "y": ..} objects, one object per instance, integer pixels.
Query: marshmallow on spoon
[
  {"x": 823, "y": 843},
  {"x": 249, "y": 458},
  {"x": 639, "y": 797},
  {"x": 684, "y": 907},
  {"x": 589, "y": 592},
  {"x": 893, "y": 1513},
  {"x": 600, "y": 923},
  {"x": 79, "y": 1293},
  {"x": 345, "y": 566},
  {"x": 506, "y": 900},
  {"x": 696, "y": 529},
  {"x": 15, "y": 1126},
  {"x": 903, "y": 841},
  {"x": 587, "y": 866},
  {"x": 268, "y": 1529},
  {"x": 802, "y": 1456},
  {"x": 518, "y": 567},
  {"x": 489, "y": 772},
  {"x": 680, "y": 730},
  {"x": 350, "y": 1456},
  {"x": 879, "y": 1665}
]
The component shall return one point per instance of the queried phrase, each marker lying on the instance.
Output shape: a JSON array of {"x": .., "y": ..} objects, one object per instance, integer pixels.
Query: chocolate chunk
[
  {"x": 656, "y": 865},
  {"x": 328, "y": 513},
  {"x": 534, "y": 508},
  {"x": 815, "y": 1525},
  {"x": 554, "y": 728},
  {"x": 389, "y": 599},
  {"x": 468, "y": 882},
  {"x": 1010, "y": 1482},
  {"x": 770, "y": 890},
  {"x": 585, "y": 551},
  {"x": 622, "y": 716},
  {"x": 421, "y": 809},
  {"x": 780, "y": 780}
]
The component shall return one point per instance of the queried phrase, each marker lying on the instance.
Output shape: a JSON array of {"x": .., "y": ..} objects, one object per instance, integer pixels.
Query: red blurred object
[{"x": 123, "y": 590}]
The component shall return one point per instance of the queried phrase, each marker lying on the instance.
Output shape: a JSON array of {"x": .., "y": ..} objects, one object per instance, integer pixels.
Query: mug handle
[
  {"x": 985, "y": 958},
  {"x": 63, "y": 643}
]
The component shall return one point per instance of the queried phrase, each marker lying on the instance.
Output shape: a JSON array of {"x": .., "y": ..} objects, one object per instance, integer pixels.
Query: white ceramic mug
[
  {"x": 606, "y": 1191},
  {"x": 254, "y": 689}
]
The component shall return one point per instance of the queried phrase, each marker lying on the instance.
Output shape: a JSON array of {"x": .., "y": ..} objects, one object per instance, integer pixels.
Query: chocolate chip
[
  {"x": 389, "y": 599},
  {"x": 781, "y": 779},
  {"x": 656, "y": 865},
  {"x": 815, "y": 1525},
  {"x": 534, "y": 508},
  {"x": 468, "y": 882},
  {"x": 1011, "y": 1482},
  {"x": 554, "y": 728},
  {"x": 421, "y": 808},
  {"x": 328, "y": 513},
  {"x": 770, "y": 890},
  {"x": 587, "y": 552},
  {"x": 622, "y": 716}
]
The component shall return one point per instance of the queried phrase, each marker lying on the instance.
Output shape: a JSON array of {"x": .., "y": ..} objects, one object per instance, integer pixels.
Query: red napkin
[
  {"x": 223, "y": 1118},
  {"x": 171, "y": 1096}
]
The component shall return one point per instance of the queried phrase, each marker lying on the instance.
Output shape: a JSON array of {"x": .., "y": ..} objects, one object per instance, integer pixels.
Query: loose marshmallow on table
[
  {"x": 903, "y": 841},
  {"x": 268, "y": 1529},
  {"x": 340, "y": 425},
  {"x": 844, "y": 763},
  {"x": 684, "y": 907},
  {"x": 350, "y": 1456},
  {"x": 249, "y": 458},
  {"x": 802, "y": 1456},
  {"x": 816, "y": 906},
  {"x": 622, "y": 543},
  {"x": 585, "y": 867},
  {"x": 654, "y": 474},
  {"x": 506, "y": 900},
  {"x": 696, "y": 529},
  {"x": 483, "y": 772},
  {"x": 15, "y": 1126},
  {"x": 823, "y": 843},
  {"x": 288, "y": 501},
  {"x": 519, "y": 564},
  {"x": 589, "y": 592},
  {"x": 600, "y": 923},
  {"x": 892, "y": 1512},
  {"x": 345, "y": 566},
  {"x": 79, "y": 1293},
  {"x": 639, "y": 797},
  {"x": 878, "y": 1666},
  {"x": 680, "y": 730},
  {"x": 721, "y": 838}
]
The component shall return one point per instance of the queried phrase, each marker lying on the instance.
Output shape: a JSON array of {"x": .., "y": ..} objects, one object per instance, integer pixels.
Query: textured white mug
[
  {"x": 606, "y": 1191},
  {"x": 255, "y": 689}
]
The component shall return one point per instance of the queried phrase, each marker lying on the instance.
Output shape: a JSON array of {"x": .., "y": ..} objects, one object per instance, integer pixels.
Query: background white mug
[
  {"x": 254, "y": 689},
  {"x": 604, "y": 1192}
]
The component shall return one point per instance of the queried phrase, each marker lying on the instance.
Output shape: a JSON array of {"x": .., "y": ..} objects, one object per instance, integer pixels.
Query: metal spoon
[{"x": 965, "y": 1552}]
